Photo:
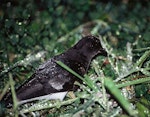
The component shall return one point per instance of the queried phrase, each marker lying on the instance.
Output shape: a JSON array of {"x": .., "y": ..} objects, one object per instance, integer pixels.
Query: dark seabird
[{"x": 51, "y": 81}]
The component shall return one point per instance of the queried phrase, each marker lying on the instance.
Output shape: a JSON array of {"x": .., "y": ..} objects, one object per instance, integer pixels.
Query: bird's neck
[{"x": 80, "y": 58}]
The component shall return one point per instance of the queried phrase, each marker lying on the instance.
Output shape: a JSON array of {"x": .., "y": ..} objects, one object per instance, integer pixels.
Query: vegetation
[{"x": 119, "y": 85}]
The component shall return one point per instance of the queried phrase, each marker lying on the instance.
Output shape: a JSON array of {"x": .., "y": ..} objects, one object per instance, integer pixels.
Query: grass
[
  {"x": 114, "y": 86},
  {"x": 92, "y": 88}
]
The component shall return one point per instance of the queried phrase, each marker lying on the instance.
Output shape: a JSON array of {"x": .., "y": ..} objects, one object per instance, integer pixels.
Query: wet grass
[{"x": 118, "y": 85}]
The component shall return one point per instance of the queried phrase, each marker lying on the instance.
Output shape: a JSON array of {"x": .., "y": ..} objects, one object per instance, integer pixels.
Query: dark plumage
[{"x": 51, "y": 79}]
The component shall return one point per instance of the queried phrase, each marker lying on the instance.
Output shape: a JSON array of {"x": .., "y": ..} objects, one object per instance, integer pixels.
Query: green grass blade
[
  {"x": 138, "y": 81},
  {"x": 70, "y": 70},
  {"x": 110, "y": 85},
  {"x": 15, "y": 103},
  {"x": 143, "y": 58},
  {"x": 76, "y": 74},
  {"x": 47, "y": 105}
]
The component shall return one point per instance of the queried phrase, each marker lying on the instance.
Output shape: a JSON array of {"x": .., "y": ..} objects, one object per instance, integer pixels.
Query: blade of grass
[
  {"x": 137, "y": 67},
  {"x": 134, "y": 82},
  {"x": 110, "y": 85},
  {"x": 47, "y": 105},
  {"x": 84, "y": 106},
  {"x": 4, "y": 90},
  {"x": 76, "y": 74},
  {"x": 134, "y": 70},
  {"x": 15, "y": 103},
  {"x": 143, "y": 58},
  {"x": 70, "y": 70},
  {"x": 92, "y": 83},
  {"x": 141, "y": 49},
  {"x": 100, "y": 74}
]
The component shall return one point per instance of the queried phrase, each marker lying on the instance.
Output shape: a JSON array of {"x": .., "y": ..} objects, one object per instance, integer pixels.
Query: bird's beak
[{"x": 103, "y": 52}]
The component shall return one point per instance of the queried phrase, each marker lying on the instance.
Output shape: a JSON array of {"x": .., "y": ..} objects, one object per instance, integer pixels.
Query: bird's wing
[{"x": 48, "y": 78}]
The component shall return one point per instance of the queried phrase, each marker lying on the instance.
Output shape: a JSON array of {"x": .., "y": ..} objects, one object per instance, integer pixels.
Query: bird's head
[{"x": 90, "y": 46}]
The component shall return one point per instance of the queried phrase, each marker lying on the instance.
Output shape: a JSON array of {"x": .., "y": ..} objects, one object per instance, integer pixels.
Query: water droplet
[
  {"x": 25, "y": 34},
  {"x": 28, "y": 15},
  {"x": 19, "y": 23},
  {"x": 117, "y": 33},
  {"x": 17, "y": 36},
  {"x": 140, "y": 36}
]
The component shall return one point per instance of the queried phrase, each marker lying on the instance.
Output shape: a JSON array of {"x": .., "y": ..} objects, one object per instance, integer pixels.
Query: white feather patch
[{"x": 52, "y": 96}]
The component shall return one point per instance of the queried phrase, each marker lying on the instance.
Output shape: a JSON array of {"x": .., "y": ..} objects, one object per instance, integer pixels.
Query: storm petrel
[{"x": 51, "y": 81}]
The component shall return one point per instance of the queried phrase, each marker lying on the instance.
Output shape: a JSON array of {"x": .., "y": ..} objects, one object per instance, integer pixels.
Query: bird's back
[{"x": 50, "y": 78}]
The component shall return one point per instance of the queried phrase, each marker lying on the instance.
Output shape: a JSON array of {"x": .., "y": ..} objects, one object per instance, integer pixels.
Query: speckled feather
[{"x": 50, "y": 78}]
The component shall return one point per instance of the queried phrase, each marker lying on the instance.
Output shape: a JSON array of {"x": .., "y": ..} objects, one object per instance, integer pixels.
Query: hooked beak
[{"x": 103, "y": 52}]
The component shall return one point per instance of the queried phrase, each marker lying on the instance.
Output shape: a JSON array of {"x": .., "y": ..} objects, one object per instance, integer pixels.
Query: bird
[{"x": 51, "y": 81}]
